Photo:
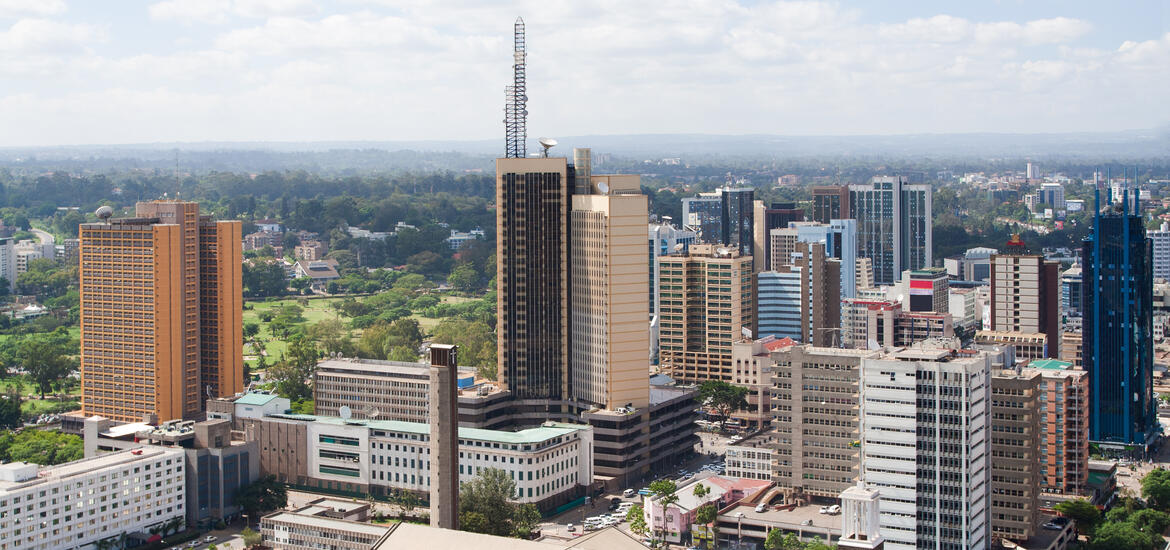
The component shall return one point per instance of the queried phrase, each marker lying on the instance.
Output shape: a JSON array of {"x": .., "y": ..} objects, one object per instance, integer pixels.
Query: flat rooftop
[
  {"x": 789, "y": 520},
  {"x": 377, "y": 367},
  {"x": 87, "y": 465},
  {"x": 322, "y": 522},
  {"x": 540, "y": 434}
]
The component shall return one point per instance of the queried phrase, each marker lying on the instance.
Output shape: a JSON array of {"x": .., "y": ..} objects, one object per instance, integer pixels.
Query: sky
[{"x": 78, "y": 72}]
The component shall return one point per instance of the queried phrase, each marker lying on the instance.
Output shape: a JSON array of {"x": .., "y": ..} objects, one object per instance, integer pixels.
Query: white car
[
  {"x": 570, "y": 527},
  {"x": 629, "y": 493},
  {"x": 761, "y": 508},
  {"x": 834, "y": 509}
]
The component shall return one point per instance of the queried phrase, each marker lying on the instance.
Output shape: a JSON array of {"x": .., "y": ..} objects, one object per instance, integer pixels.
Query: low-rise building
[
  {"x": 552, "y": 464},
  {"x": 752, "y": 458},
  {"x": 391, "y": 390},
  {"x": 321, "y": 272},
  {"x": 310, "y": 251},
  {"x": 1028, "y": 345},
  {"x": 261, "y": 239},
  {"x": 87, "y": 501},
  {"x": 675, "y": 520}
]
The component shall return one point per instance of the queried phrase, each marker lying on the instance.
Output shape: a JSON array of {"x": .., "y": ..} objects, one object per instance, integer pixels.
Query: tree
[
  {"x": 40, "y": 447},
  {"x": 701, "y": 490},
  {"x": 251, "y": 538},
  {"x": 47, "y": 359},
  {"x": 331, "y": 335},
  {"x": 637, "y": 519},
  {"x": 263, "y": 278},
  {"x": 1082, "y": 512},
  {"x": 464, "y": 278},
  {"x": 1156, "y": 488},
  {"x": 1124, "y": 536},
  {"x": 1150, "y": 521},
  {"x": 778, "y": 540},
  {"x": 488, "y": 495},
  {"x": 526, "y": 519},
  {"x": 251, "y": 329},
  {"x": 706, "y": 514},
  {"x": 723, "y": 397},
  {"x": 664, "y": 492},
  {"x": 264, "y": 495},
  {"x": 10, "y": 410}
]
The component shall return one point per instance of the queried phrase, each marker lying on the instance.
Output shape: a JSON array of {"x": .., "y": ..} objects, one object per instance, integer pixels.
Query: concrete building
[
  {"x": 803, "y": 296},
  {"x": 925, "y": 446},
  {"x": 927, "y": 290},
  {"x": 1070, "y": 292},
  {"x": 1160, "y": 239},
  {"x": 8, "y": 262},
  {"x": 1025, "y": 296},
  {"x": 778, "y": 215},
  {"x": 972, "y": 265},
  {"x": 1064, "y": 427},
  {"x": 1015, "y": 453},
  {"x": 724, "y": 217},
  {"x": 752, "y": 369},
  {"x": 261, "y": 239},
  {"x": 674, "y": 520},
  {"x": 87, "y": 501},
  {"x": 864, "y": 274},
  {"x": 552, "y": 464},
  {"x": 839, "y": 238},
  {"x": 815, "y": 420},
  {"x": 963, "y": 308},
  {"x": 860, "y": 519},
  {"x": 831, "y": 202},
  {"x": 706, "y": 303},
  {"x": 608, "y": 362},
  {"x": 873, "y": 324},
  {"x": 665, "y": 239},
  {"x": 1028, "y": 345},
  {"x": 1052, "y": 195},
  {"x": 1118, "y": 349},
  {"x": 444, "y": 437},
  {"x": 1070, "y": 349},
  {"x": 893, "y": 225},
  {"x": 310, "y": 251},
  {"x": 300, "y": 531},
  {"x": 161, "y": 307},
  {"x": 397, "y": 390},
  {"x": 752, "y": 458}
]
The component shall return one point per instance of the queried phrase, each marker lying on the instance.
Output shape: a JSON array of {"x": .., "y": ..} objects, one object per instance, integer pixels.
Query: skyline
[{"x": 352, "y": 70}]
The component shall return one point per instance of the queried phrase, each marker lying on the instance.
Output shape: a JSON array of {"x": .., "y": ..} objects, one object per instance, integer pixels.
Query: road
[{"x": 44, "y": 236}]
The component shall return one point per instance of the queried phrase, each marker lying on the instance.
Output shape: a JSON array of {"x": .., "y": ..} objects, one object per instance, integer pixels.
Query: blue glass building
[{"x": 1117, "y": 347}]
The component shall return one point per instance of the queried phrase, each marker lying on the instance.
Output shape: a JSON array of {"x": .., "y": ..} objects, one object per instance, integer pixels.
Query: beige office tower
[
  {"x": 160, "y": 313},
  {"x": 608, "y": 363},
  {"x": 706, "y": 305},
  {"x": 1016, "y": 430},
  {"x": 864, "y": 273},
  {"x": 782, "y": 243},
  {"x": 1025, "y": 297},
  {"x": 532, "y": 248}
]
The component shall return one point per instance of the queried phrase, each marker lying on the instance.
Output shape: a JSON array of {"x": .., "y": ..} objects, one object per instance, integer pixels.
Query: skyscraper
[
  {"x": 777, "y": 216},
  {"x": 893, "y": 225},
  {"x": 1117, "y": 297},
  {"x": 925, "y": 446},
  {"x": 706, "y": 302},
  {"x": 831, "y": 202},
  {"x": 801, "y": 301},
  {"x": 840, "y": 240},
  {"x": 724, "y": 217},
  {"x": 1025, "y": 295},
  {"x": 1161, "y": 240},
  {"x": 532, "y": 275},
  {"x": 609, "y": 365},
  {"x": 161, "y": 300},
  {"x": 665, "y": 239}
]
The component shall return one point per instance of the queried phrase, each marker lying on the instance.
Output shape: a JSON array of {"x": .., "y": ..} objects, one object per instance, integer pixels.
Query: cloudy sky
[{"x": 126, "y": 71}]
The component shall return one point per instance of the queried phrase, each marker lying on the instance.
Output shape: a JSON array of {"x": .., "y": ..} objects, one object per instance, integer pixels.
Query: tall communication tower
[{"x": 515, "y": 110}]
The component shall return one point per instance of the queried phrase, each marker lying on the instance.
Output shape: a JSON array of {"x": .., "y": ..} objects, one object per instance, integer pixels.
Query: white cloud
[
  {"x": 221, "y": 11},
  {"x": 41, "y": 8},
  {"x": 47, "y": 36}
]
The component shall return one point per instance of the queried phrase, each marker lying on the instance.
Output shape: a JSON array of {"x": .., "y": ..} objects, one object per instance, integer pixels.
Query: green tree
[
  {"x": 403, "y": 353},
  {"x": 725, "y": 398},
  {"x": 525, "y": 519},
  {"x": 464, "y": 278},
  {"x": 778, "y": 540},
  {"x": 637, "y": 518},
  {"x": 1082, "y": 512},
  {"x": 251, "y": 538},
  {"x": 251, "y": 329},
  {"x": 476, "y": 341},
  {"x": 10, "y": 410},
  {"x": 263, "y": 495},
  {"x": 47, "y": 359},
  {"x": 1124, "y": 536},
  {"x": 331, "y": 336},
  {"x": 40, "y": 447},
  {"x": 488, "y": 495},
  {"x": 706, "y": 514},
  {"x": 665, "y": 493},
  {"x": 1156, "y": 488},
  {"x": 263, "y": 277}
]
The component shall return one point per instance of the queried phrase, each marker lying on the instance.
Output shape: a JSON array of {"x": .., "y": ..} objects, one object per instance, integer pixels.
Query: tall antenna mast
[{"x": 515, "y": 109}]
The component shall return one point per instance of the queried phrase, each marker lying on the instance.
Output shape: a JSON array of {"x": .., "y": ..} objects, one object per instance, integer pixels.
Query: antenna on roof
[{"x": 516, "y": 99}]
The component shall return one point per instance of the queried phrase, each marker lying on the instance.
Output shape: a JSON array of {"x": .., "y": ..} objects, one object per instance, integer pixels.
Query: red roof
[{"x": 779, "y": 344}]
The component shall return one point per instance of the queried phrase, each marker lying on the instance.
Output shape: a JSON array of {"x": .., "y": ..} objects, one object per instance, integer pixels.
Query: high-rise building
[
  {"x": 1064, "y": 427},
  {"x": 706, "y": 303},
  {"x": 665, "y": 239},
  {"x": 873, "y": 324},
  {"x": 925, "y": 446},
  {"x": 8, "y": 262},
  {"x": 608, "y": 363},
  {"x": 1025, "y": 296},
  {"x": 839, "y": 238},
  {"x": 1016, "y": 405},
  {"x": 161, "y": 300},
  {"x": 801, "y": 301},
  {"x": 725, "y": 216},
  {"x": 831, "y": 202},
  {"x": 893, "y": 225},
  {"x": 777, "y": 216},
  {"x": 532, "y": 275},
  {"x": 1070, "y": 291},
  {"x": 1161, "y": 246},
  {"x": 443, "y": 446},
  {"x": 1117, "y": 298},
  {"x": 1052, "y": 195},
  {"x": 814, "y": 419},
  {"x": 928, "y": 290}
]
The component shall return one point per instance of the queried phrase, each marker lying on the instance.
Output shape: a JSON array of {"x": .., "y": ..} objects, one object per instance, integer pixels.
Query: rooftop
[
  {"x": 322, "y": 522},
  {"x": 410, "y": 535},
  {"x": 256, "y": 399},
  {"x": 87, "y": 465},
  {"x": 1054, "y": 364},
  {"x": 545, "y": 432}
]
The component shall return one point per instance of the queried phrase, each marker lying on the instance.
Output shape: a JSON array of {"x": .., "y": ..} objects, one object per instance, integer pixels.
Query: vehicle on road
[
  {"x": 209, "y": 539},
  {"x": 761, "y": 508},
  {"x": 806, "y": 522},
  {"x": 834, "y": 509},
  {"x": 570, "y": 527},
  {"x": 629, "y": 493}
]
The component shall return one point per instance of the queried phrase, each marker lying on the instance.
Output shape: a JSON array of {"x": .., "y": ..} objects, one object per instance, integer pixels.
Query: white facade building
[
  {"x": 8, "y": 262},
  {"x": 925, "y": 446},
  {"x": 77, "y": 504},
  {"x": 1161, "y": 239}
]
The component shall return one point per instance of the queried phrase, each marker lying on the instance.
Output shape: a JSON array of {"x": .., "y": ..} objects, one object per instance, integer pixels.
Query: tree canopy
[
  {"x": 485, "y": 506},
  {"x": 725, "y": 398}
]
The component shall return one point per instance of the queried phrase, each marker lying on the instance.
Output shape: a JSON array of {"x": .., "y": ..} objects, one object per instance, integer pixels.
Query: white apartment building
[
  {"x": 925, "y": 446},
  {"x": 376, "y": 456},
  {"x": 8, "y": 262},
  {"x": 751, "y": 458},
  {"x": 78, "y": 504}
]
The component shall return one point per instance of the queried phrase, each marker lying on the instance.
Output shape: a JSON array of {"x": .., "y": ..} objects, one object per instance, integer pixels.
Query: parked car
[
  {"x": 806, "y": 522},
  {"x": 824, "y": 510},
  {"x": 209, "y": 539},
  {"x": 570, "y": 527},
  {"x": 629, "y": 493},
  {"x": 761, "y": 508},
  {"x": 834, "y": 509}
]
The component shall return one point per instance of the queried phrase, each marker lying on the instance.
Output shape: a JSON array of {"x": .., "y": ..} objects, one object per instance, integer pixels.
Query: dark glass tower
[
  {"x": 738, "y": 219},
  {"x": 1117, "y": 296}
]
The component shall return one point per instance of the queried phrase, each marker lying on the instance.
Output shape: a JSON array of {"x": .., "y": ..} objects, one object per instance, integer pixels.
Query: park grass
[
  {"x": 37, "y": 407},
  {"x": 316, "y": 310}
]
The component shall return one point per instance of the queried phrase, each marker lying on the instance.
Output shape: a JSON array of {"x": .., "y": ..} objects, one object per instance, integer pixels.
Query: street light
[{"x": 739, "y": 535}]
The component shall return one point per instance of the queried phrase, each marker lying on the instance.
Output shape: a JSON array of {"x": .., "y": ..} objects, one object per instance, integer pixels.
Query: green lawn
[
  {"x": 35, "y": 407},
  {"x": 317, "y": 309}
]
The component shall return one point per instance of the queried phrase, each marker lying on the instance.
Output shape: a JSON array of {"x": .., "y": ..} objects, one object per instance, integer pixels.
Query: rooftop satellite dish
[
  {"x": 723, "y": 251},
  {"x": 345, "y": 412},
  {"x": 679, "y": 246},
  {"x": 603, "y": 187},
  {"x": 547, "y": 143},
  {"x": 374, "y": 413},
  {"x": 104, "y": 212}
]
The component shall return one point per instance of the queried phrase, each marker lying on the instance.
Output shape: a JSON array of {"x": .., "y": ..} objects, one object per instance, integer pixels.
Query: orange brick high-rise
[{"x": 161, "y": 305}]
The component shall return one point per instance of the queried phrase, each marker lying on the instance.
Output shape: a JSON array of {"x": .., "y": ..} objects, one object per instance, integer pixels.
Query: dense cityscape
[{"x": 597, "y": 349}]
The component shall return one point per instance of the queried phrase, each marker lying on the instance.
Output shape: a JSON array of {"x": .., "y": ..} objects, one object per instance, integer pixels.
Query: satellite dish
[
  {"x": 603, "y": 187},
  {"x": 104, "y": 212},
  {"x": 374, "y": 413},
  {"x": 723, "y": 251},
  {"x": 678, "y": 247},
  {"x": 747, "y": 332},
  {"x": 345, "y": 412},
  {"x": 547, "y": 143}
]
